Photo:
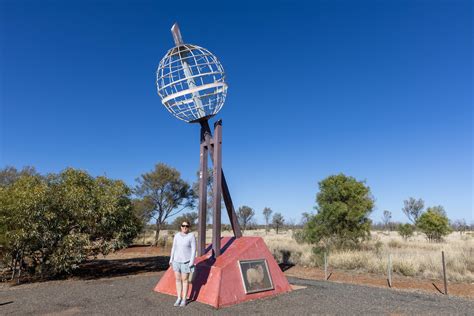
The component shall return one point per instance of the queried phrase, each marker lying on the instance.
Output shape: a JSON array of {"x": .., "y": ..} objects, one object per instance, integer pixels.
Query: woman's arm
[
  {"x": 193, "y": 250},
  {"x": 173, "y": 249}
]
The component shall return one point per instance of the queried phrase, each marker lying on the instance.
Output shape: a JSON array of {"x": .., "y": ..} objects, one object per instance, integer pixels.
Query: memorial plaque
[{"x": 255, "y": 275}]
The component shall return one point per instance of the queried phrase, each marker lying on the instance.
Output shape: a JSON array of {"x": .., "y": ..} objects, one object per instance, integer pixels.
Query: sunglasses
[{"x": 185, "y": 226}]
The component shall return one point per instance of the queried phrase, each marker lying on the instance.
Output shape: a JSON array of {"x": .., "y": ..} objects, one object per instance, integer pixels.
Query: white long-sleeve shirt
[{"x": 184, "y": 248}]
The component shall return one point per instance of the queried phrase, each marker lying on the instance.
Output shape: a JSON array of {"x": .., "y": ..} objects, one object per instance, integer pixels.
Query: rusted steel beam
[
  {"x": 229, "y": 205},
  {"x": 202, "y": 194},
  {"x": 216, "y": 219}
]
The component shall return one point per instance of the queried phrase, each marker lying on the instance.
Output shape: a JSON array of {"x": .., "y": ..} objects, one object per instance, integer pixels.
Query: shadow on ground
[
  {"x": 285, "y": 266},
  {"x": 101, "y": 268},
  {"x": 286, "y": 263},
  {"x": 104, "y": 268}
]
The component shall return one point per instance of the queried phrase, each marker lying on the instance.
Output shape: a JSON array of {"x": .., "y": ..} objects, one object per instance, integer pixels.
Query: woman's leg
[
  {"x": 184, "y": 279},
  {"x": 179, "y": 287}
]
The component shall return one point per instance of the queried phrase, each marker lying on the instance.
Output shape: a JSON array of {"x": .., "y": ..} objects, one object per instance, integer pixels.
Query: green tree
[
  {"x": 244, "y": 216},
  {"x": 191, "y": 218},
  {"x": 143, "y": 209},
  {"x": 278, "y": 221},
  {"x": 22, "y": 203},
  {"x": 434, "y": 225},
  {"x": 167, "y": 193},
  {"x": 344, "y": 205},
  {"x": 10, "y": 174},
  {"x": 406, "y": 230},
  {"x": 267, "y": 213},
  {"x": 413, "y": 208},
  {"x": 54, "y": 223},
  {"x": 437, "y": 209}
]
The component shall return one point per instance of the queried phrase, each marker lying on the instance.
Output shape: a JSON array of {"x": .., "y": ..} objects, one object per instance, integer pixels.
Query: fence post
[
  {"x": 444, "y": 274},
  {"x": 325, "y": 266},
  {"x": 389, "y": 270}
]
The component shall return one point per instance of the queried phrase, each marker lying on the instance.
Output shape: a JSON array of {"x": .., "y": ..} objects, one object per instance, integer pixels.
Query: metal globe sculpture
[{"x": 190, "y": 81}]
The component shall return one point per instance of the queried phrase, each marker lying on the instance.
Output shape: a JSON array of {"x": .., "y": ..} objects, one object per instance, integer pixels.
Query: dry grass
[{"x": 413, "y": 257}]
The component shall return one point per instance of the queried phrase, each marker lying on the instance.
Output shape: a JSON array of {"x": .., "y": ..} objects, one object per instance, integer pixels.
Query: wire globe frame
[{"x": 191, "y": 83}]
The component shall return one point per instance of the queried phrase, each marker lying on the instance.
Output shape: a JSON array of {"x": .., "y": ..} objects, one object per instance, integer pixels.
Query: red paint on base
[{"x": 219, "y": 282}]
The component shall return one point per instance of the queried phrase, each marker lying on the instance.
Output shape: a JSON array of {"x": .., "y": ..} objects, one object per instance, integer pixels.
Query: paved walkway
[{"x": 133, "y": 295}]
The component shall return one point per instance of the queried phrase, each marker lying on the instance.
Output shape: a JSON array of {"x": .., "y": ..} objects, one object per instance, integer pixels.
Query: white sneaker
[
  {"x": 177, "y": 303},
  {"x": 183, "y": 302}
]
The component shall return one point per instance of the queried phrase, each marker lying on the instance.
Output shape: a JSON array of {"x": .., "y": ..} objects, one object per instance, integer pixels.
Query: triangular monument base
[{"x": 219, "y": 282}]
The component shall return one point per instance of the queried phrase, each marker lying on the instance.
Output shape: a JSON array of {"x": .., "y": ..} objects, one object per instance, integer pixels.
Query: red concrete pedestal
[{"x": 219, "y": 282}]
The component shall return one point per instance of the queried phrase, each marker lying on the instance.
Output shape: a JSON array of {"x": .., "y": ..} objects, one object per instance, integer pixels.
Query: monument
[{"x": 191, "y": 84}]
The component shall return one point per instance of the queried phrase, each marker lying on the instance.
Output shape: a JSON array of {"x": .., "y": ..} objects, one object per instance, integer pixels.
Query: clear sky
[{"x": 378, "y": 90}]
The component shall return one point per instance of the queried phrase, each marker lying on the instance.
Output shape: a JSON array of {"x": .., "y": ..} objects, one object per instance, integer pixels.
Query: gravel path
[{"x": 133, "y": 295}]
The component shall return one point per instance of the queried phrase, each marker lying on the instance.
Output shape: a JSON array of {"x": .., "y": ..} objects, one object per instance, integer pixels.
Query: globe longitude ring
[{"x": 190, "y": 81}]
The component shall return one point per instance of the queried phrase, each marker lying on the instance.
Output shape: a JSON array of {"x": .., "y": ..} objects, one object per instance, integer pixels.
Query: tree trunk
[
  {"x": 14, "y": 266},
  {"x": 157, "y": 236},
  {"x": 19, "y": 272}
]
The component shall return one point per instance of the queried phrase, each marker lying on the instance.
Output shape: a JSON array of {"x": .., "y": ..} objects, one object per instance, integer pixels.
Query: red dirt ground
[
  {"x": 398, "y": 282},
  {"x": 146, "y": 259}
]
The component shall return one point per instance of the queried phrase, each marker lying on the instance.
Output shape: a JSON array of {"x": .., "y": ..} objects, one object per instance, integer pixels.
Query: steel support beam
[
  {"x": 229, "y": 205},
  {"x": 217, "y": 194},
  {"x": 203, "y": 175}
]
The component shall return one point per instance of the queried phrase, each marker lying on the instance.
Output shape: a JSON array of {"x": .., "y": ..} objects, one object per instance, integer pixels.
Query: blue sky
[{"x": 378, "y": 90}]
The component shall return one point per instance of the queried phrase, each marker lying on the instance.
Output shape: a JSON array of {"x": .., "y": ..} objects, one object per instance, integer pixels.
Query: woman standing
[{"x": 182, "y": 261}]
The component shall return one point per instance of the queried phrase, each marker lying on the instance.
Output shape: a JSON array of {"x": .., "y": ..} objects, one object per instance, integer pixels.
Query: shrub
[
  {"x": 286, "y": 256},
  {"x": 318, "y": 255},
  {"x": 298, "y": 235},
  {"x": 434, "y": 225},
  {"x": 406, "y": 230},
  {"x": 351, "y": 260},
  {"x": 344, "y": 205},
  {"x": 52, "y": 224},
  {"x": 404, "y": 267},
  {"x": 394, "y": 244}
]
